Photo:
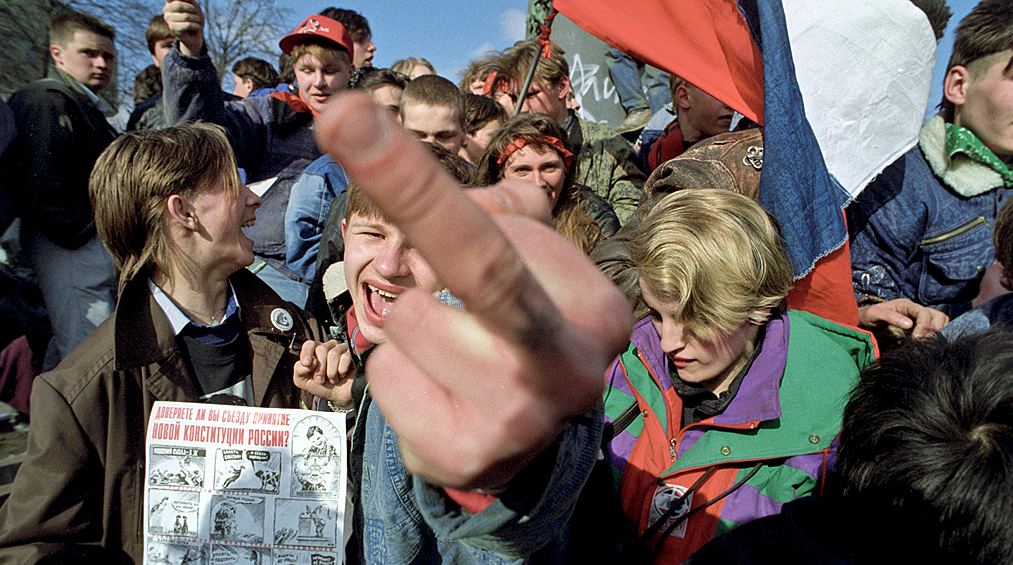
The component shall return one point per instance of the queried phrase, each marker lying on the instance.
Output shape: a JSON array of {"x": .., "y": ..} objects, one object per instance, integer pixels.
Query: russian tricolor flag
[{"x": 839, "y": 86}]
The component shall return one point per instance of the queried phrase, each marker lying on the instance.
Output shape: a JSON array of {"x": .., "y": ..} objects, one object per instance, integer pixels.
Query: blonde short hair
[
  {"x": 321, "y": 49},
  {"x": 715, "y": 253},
  {"x": 134, "y": 178}
]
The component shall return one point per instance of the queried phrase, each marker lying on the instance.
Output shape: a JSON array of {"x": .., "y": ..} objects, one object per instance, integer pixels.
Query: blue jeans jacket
[
  {"x": 308, "y": 203},
  {"x": 915, "y": 238},
  {"x": 406, "y": 520},
  {"x": 997, "y": 311}
]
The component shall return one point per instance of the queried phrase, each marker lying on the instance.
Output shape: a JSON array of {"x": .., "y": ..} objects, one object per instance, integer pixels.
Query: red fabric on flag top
[
  {"x": 706, "y": 42},
  {"x": 545, "y": 33}
]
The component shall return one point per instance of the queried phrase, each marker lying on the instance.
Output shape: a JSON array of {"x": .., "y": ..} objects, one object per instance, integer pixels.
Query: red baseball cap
[{"x": 318, "y": 26}]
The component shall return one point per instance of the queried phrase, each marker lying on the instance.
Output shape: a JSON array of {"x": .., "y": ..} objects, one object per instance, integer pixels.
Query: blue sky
[{"x": 449, "y": 33}]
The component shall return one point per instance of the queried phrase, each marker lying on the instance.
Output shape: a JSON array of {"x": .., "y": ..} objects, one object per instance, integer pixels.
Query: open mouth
[
  {"x": 249, "y": 223},
  {"x": 379, "y": 302}
]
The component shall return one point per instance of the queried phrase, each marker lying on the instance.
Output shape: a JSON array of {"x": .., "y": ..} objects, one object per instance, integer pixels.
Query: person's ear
[
  {"x": 682, "y": 96},
  {"x": 955, "y": 84},
  {"x": 182, "y": 212},
  {"x": 56, "y": 52},
  {"x": 155, "y": 60},
  {"x": 344, "y": 224},
  {"x": 564, "y": 87}
]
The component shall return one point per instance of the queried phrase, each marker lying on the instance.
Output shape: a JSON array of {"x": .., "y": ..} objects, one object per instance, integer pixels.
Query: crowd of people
[{"x": 551, "y": 345}]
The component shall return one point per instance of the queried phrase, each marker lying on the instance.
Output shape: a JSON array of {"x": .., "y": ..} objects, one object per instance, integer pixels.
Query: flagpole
[{"x": 543, "y": 41}]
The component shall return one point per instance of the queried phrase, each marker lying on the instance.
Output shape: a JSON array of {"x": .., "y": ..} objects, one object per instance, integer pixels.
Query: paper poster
[{"x": 230, "y": 485}]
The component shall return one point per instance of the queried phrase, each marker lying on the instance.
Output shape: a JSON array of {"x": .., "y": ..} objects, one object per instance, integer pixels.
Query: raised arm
[{"x": 186, "y": 21}]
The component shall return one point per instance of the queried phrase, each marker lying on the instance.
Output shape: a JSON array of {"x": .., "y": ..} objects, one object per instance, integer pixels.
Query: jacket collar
[
  {"x": 144, "y": 337},
  {"x": 962, "y": 174},
  {"x": 61, "y": 76},
  {"x": 758, "y": 397},
  {"x": 292, "y": 115}
]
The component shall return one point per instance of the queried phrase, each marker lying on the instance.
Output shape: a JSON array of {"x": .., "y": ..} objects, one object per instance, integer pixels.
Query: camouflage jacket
[{"x": 607, "y": 164}]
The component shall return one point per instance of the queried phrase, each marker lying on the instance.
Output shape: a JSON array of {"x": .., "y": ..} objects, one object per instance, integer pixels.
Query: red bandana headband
[
  {"x": 541, "y": 140},
  {"x": 488, "y": 84}
]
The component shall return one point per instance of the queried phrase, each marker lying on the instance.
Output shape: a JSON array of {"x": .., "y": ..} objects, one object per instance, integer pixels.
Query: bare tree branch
[{"x": 235, "y": 29}]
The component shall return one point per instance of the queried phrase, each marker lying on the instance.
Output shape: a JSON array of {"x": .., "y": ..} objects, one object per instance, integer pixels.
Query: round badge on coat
[{"x": 282, "y": 319}]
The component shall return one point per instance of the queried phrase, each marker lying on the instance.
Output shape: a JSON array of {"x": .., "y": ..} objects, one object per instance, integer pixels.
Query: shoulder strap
[
  {"x": 615, "y": 427},
  {"x": 622, "y": 420}
]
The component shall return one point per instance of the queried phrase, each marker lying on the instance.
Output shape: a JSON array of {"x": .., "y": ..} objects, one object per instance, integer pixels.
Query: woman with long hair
[{"x": 533, "y": 147}]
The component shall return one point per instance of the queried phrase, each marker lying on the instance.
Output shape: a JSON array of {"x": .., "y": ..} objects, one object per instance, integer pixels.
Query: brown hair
[
  {"x": 370, "y": 78},
  {"x": 514, "y": 64},
  {"x": 65, "y": 23},
  {"x": 257, "y": 70},
  {"x": 433, "y": 90},
  {"x": 157, "y": 31},
  {"x": 480, "y": 110},
  {"x": 479, "y": 69},
  {"x": 134, "y": 178},
  {"x": 355, "y": 23},
  {"x": 987, "y": 30}
]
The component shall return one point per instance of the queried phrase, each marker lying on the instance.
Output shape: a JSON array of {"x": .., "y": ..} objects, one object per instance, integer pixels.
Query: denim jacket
[
  {"x": 402, "y": 519},
  {"x": 308, "y": 204},
  {"x": 922, "y": 229},
  {"x": 399, "y": 518}
]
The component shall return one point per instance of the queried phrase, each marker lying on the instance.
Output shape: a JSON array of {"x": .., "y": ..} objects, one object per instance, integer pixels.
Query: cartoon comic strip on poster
[
  {"x": 233, "y": 485},
  {"x": 316, "y": 461}
]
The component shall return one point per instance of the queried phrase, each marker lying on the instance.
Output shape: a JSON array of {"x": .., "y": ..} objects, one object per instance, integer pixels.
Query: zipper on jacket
[{"x": 980, "y": 220}]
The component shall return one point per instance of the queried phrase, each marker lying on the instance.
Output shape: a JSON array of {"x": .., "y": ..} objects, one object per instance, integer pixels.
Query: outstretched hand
[
  {"x": 476, "y": 394},
  {"x": 186, "y": 21},
  {"x": 903, "y": 316}
]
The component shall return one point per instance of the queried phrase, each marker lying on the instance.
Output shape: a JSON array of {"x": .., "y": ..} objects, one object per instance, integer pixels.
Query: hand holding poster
[{"x": 235, "y": 485}]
